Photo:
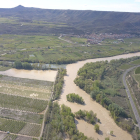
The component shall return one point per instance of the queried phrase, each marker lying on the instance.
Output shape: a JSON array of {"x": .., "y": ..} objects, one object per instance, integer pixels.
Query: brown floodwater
[
  {"x": 107, "y": 123},
  {"x": 47, "y": 75}
]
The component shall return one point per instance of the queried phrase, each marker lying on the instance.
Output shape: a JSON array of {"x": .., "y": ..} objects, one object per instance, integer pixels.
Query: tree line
[
  {"x": 59, "y": 83},
  {"x": 88, "y": 116}
]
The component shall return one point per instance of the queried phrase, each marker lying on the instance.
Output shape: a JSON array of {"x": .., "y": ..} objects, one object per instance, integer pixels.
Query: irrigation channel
[{"x": 107, "y": 123}]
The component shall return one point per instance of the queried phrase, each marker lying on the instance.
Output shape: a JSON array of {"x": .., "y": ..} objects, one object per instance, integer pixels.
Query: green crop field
[
  {"x": 51, "y": 49},
  {"x": 22, "y": 103},
  {"x": 31, "y": 130},
  {"x": 25, "y": 87},
  {"x": 11, "y": 125},
  {"x": 19, "y": 127},
  {"x": 21, "y": 116}
]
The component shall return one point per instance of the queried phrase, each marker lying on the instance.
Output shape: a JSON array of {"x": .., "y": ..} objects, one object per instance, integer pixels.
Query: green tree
[
  {"x": 18, "y": 64},
  {"x": 27, "y": 66},
  {"x": 97, "y": 128},
  {"x": 111, "y": 132}
]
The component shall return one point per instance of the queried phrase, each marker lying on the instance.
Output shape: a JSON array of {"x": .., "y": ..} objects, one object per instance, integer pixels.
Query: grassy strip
[
  {"x": 59, "y": 83},
  {"x": 137, "y": 71},
  {"x": 133, "y": 98},
  {"x": 137, "y": 79},
  {"x": 131, "y": 111},
  {"x": 125, "y": 66},
  {"x": 22, "y": 103}
]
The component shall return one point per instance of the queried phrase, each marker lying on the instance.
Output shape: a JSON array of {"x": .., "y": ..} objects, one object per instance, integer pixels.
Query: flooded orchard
[
  {"x": 107, "y": 123},
  {"x": 47, "y": 75}
]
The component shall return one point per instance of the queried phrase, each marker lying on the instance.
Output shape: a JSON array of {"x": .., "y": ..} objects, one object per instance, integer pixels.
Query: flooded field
[
  {"x": 107, "y": 123},
  {"x": 47, "y": 75}
]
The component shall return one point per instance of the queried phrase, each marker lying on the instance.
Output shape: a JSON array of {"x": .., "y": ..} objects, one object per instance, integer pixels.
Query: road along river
[{"x": 107, "y": 123}]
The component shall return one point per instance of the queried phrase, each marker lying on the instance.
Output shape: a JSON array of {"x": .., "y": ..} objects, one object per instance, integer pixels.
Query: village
[{"x": 98, "y": 38}]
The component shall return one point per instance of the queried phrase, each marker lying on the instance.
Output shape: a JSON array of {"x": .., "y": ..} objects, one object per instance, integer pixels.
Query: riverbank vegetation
[
  {"x": 58, "y": 85},
  {"x": 60, "y": 123},
  {"x": 72, "y": 97},
  {"x": 97, "y": 128},
  {"x": 28, "y": 66},
  {"x": 88, "y": 116},
  {"x": 103, "y": 81}
]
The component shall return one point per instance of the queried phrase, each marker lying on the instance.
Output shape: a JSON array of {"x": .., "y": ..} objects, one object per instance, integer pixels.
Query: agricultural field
[
  {"x": 22, "y": 105},
  {"x": 51, "y": 49},
  {"x": 25, "y": 87},
  {"x": 21, "y": 115}
]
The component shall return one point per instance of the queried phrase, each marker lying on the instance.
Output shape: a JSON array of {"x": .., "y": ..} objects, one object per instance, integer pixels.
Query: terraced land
[{"x": 22, "y": 105}]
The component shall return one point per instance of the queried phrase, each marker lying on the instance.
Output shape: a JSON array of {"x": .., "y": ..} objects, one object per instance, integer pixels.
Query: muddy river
[
  {"x": 107, "y": 123},
  {"x": 47, "y": 75}
]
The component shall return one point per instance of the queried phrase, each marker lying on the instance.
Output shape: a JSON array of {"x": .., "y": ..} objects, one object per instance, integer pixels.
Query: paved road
[{"x": 129, "y": 96}]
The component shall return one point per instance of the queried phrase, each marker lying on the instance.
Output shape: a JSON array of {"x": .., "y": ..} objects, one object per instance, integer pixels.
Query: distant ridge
[
  {"x": 84, "y": 21},
  {"x": 19, "y": 7}
]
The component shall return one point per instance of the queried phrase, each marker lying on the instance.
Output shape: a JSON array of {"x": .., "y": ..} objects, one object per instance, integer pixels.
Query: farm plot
[
  {"x": 19, "y": 127},
  {"x": 22, "y": 103},
  {"x": 21, "y": 116},
  {"x": 10, "y": 137},
  {"x": 31, "y": 130},
  {"x": 29, "y": 88},
  {"x": 11, "y": 125}
]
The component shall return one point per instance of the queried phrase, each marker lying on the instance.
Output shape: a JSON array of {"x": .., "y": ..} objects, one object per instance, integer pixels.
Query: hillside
[{"x": 36, "y": 21}]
